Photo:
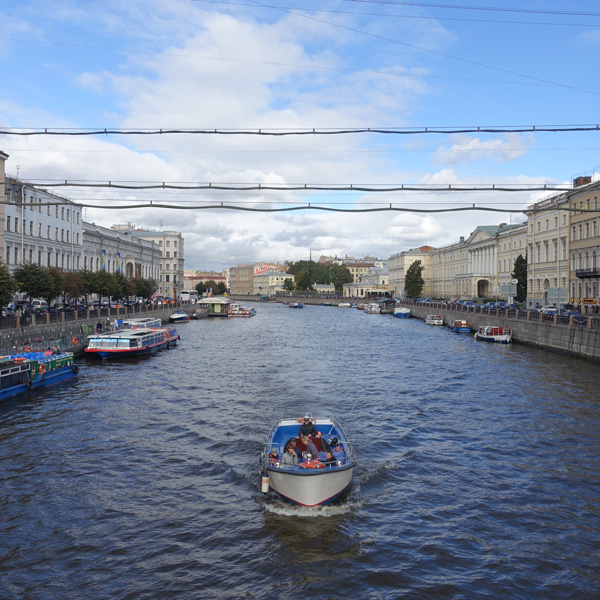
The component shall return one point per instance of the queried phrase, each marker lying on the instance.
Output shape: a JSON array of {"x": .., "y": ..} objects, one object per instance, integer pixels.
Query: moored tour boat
[
  {"x": 236, "y": 310},
  {"x": 32, "y": 370},
  {"x": 460, "y": 326},
  {"x": 131, "y": 342},
  {"x": 494, "y": 333},
  {"x": 402, "y": 312},
  {"x": 311, "y": 482},
  {"x": 296, "y": 305},
  {"x": 372, "y": 309},
  {"x": 434, "y": 320}
]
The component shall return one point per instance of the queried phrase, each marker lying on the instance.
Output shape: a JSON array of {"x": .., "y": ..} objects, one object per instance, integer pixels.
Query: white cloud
[{"x": 466, "y": 149}]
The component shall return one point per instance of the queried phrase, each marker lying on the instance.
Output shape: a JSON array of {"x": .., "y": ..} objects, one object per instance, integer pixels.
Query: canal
[{"x": 478, "y": 468}]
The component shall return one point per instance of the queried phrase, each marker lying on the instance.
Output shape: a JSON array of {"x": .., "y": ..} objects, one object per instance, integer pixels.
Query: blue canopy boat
[{"x": 311, "y": 482}]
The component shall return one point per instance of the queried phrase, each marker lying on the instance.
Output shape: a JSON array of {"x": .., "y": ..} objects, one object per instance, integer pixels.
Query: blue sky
[{"x": 300, "y": 65}]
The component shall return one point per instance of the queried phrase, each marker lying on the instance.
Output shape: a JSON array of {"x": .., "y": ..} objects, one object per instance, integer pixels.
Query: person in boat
[
  {"x": 289, "y": 455},
  {"x": 297, "y": 450},
  {"x": 308, "y": 427},
  {"x": 329, "y": 459},
  {"x": 310, "y": 447},
  {"x": 273, "y": 456}
]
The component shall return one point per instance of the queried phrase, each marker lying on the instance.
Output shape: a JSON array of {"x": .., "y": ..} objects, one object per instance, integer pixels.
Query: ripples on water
[{"x": 477, "y": 476}]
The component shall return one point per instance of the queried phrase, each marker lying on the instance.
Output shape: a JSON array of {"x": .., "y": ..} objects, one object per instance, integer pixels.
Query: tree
[
  {"x": 7, "y": 285},
  {"x": 520, "y": 274},
  {"x": 144, "y": 288},
  {"x": 221, "y": 288},
  {"x": 33, "y": 281},
  {"x": 288, "y": 284},
  {"x": 303, "y": 281},
  {"x": 88, "y": 282},
  {"x": 201, "y": 288},
  {"x": 211, "y": 284},
  {"x": 58, "y": 285},
  {"x": 104, "y": 285},
  {"x": 73, "y": 285},
  {"x": 339, "y": 276},
  {"x": 413, "y": 283},
  {"x": 122, "y": 286}
]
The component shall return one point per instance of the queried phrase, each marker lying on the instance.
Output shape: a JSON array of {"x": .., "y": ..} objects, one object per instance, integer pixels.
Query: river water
[{"x": 478, "y": 472}]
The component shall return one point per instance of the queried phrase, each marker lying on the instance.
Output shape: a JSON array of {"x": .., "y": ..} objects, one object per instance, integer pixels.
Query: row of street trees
[
  {"x": 51, "y": 283},
  {"x": 308, "y": 272}
]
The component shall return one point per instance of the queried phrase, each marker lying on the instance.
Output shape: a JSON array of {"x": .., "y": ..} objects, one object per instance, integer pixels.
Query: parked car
[{"x": 548, "y": 310}]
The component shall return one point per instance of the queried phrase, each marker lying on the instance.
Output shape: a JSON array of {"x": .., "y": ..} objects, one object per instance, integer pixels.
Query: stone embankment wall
[
  {"x": 68, "y": 336},
  {"x": 579, "y": 340}
]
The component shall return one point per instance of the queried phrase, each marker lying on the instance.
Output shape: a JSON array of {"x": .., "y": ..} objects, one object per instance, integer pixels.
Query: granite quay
[{"x": 68, "y": 331}]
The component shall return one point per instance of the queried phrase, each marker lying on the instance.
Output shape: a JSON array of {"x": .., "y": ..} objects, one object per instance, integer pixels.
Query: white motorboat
[
  {"x": 434, "y": 320},
  {"x": 402, "y": 312},
  {"x": 312, "y": 481},
  {"x": 494, "y": 333}
]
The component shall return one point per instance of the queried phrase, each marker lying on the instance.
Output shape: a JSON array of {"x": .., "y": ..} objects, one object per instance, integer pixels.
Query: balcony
[{"x": 587, "y": 273}]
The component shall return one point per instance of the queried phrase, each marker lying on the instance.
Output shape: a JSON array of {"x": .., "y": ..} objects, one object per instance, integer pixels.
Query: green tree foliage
[
  {"x": 88, "y": 280},
  {"x": 211, "y": 284},
  {"x": 221, "y": 288},
  {"x": 520, "y": 274},
  {"x": 7, "y": 285},
  {"x": 104, "y": 285},
  {"x": 201, "y": 288},
  {"x": 33, "y": 281},
  {"x": 122, "y": 286},
  {"x": 58, "y": 284},
  {"x": 288, "y": 284},
  {"x": 413, "y": 283},
  {"x": 339, "y": 276},
  {"x": 73, "y": 285},
  {"x": 303, "y": 281},
  {"x": 144, "y": 288}
]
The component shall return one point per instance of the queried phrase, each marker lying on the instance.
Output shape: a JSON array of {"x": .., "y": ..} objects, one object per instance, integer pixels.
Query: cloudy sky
[{"x": 290, "y": 66}]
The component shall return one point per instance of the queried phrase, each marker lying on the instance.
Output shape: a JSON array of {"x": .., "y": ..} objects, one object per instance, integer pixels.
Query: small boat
[
  {"x": 372, "y": 309},
  {"x": 434, "y": 320},
  {"x": 494, "y": 333},
  {"x": 296, "y": 305},
  {"x": 179, "y": 316},
  {"x": 402, "y": 313},
  {"x": 236, "y": 310},
  {"x": 33, "y": 370},
  {"x": 460, "y": 326},
  {"x": 131, "y": 342},
  {"x": 360, "y": 306},
  {"x": 345, "y": 305},
  {"x": 326, "y": 304},
  {"x": 311, "y": 482}
]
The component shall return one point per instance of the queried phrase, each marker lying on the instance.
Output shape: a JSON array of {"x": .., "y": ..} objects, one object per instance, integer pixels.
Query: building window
[
  {"x": 7, "y": 228},
  {"x": 547, "y": 223},
  {"x": 168, "y": 254},
  {"x": 174, "y": 255},
  {"x": 62, "y": 213},
  {"x": 40, "y": 230},
  {"x": 167, "y": 278},
  {"x": 16, "y": 224},
  {"x": 564, "y": 249},
  {"x": 31, "y": 228},
  {"x": 8, "y": 255},
  {"x": 48, "y": 214},
  {"x": 580, "y": 231}
]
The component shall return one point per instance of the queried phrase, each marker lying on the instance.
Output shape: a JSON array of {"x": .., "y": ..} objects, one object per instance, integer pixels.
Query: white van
[{"x": 40, "y": 305}]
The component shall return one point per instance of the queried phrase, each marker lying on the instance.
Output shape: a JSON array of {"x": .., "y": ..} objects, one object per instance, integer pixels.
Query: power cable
[{"x": 275, "y": 131}]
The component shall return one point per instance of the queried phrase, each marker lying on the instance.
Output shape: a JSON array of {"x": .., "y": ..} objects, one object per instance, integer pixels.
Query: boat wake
[{"x": 285, "y": 509}]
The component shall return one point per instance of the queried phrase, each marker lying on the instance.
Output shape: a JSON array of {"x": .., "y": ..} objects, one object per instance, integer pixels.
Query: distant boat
[
  {"x": 143, "y": 322},
  {"x": 344, "y": 305},
  {"x": 33, "y": 370},
  {"x": 494, "y": 333},
  {"x": 402, "y": 313},
  {"x": 460, "y": 326},
  {"x": 179, "y": 316},
  {"x": 372, "y": 309},
  {"x": 434, "y": 320},
  {"x": 236, "y": 310},
  {"x": 296, "y": 305},
  {"x": 312, "y": 481}
]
